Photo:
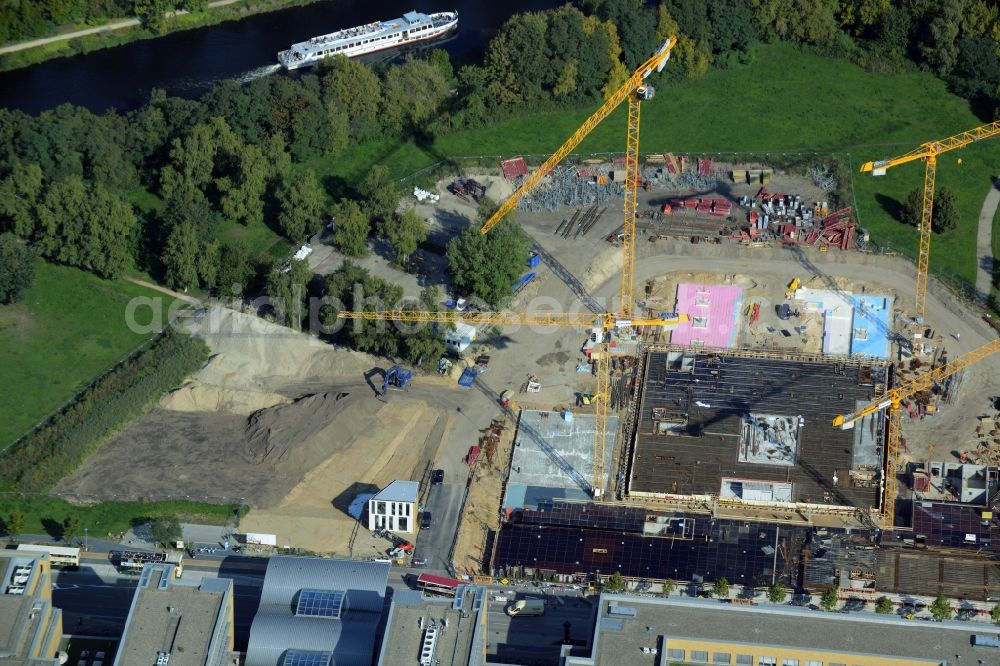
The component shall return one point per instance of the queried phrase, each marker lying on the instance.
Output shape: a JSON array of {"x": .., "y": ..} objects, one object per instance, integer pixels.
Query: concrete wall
[{"x": 393, "y": 516}]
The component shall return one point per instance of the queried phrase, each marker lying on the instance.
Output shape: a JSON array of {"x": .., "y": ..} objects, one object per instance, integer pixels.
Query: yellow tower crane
[
  {"x": 928, "y": 152},
  {"x": 892, "y": 400},
  {"x": 635, "y": 90}
]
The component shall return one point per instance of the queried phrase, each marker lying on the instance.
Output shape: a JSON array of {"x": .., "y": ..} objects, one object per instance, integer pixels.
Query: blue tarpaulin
[
  {"x": 525, "y": 279},
  {"x": 533, "y": 259},
  {"x": 468, "y": 377}
]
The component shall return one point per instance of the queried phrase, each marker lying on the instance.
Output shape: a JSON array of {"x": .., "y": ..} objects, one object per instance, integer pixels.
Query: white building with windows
[{"x": 395, "y": 507}]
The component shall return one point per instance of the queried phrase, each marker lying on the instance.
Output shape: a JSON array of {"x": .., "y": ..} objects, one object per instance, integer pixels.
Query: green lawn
[
  {"x": 69, "y": 328},
  {"x": 45, "y": 515},
  {"x": 785, "y": 100}
]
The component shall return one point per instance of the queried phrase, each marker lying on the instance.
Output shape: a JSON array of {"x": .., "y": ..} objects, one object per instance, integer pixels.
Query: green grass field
[
  {"x": 45, "y": 515},
  {"x": 785, "y": 100},
  {"x": 69, "y": 328}
]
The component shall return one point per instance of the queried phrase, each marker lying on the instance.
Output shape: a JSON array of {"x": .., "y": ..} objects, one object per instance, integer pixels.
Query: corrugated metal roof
[
  {"x": 351, "y": 638},
  {"x": 399, "y": 491}
]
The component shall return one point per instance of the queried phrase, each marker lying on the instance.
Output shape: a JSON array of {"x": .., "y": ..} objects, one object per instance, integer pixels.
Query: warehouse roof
[
  {"x": 178, "y": 618},
  {"x": 318, "y": 605},
  {"x": 618, "y": 636}
]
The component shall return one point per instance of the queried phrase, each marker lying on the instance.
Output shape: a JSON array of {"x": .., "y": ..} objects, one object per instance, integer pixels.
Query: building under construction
[{"x": 755, "y": 428}]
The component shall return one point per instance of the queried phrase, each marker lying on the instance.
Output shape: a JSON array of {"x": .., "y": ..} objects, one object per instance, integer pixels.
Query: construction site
[{"x": 723, "y": 381}]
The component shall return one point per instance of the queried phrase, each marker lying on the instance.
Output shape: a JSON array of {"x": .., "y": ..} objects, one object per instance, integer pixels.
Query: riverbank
[{"x": 126, "y": 30}]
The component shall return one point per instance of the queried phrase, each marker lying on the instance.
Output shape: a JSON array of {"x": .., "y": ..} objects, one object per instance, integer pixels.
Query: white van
[{"x": 526, "y": 608}]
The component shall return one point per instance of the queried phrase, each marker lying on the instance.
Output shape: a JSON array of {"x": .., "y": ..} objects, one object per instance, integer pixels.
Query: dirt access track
[{"x": 287, "y": 424}]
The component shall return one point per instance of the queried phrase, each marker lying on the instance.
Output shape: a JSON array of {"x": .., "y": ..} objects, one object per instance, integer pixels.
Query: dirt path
[
  {"x": 163, "y": 290},
  {"x": 984, "y": 241},
  {"x": 117, "y": 25}
]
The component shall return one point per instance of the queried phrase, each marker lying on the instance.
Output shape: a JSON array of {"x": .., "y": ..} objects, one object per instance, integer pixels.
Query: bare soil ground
[
  {"x": 275, "y": 419},
  {"x": 482, "y": 511}
]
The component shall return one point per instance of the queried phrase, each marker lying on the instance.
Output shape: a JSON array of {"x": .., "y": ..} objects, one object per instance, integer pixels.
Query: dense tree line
[
  {"x": 24, "y": 19},
  {"x": 237, "y": 157}
]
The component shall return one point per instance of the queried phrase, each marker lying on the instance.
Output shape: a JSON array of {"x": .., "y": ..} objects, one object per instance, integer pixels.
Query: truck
[{"x": 526, "y": 608}]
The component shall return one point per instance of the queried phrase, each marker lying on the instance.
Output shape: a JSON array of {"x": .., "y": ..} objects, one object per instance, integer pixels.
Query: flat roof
[
  {"x": 412, "y": 615},
  {"x": 712, "y": 310},
  {"x": 701, "y": 401},
  {"x": 171, "y": 616},
  {"x": 780, "y": 626},
  {"x": 554, "y": 458}
]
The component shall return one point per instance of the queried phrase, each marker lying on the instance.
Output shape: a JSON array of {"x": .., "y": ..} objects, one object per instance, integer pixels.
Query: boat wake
[{"x": 259, "y": 72}]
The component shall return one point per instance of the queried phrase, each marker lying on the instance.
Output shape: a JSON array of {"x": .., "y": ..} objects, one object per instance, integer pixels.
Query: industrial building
[
  {"x": 435, "y": 630},
  {"x": 584, "y": 540},
  {"x": 755, "y": 427},
  {"x": 643, "y": 630},
  {"x": 177, "y": 622},
  {"x": 318, "y": 612},
  {"x": 30, "y": 627},
  {"x": 394, "y": 508}
]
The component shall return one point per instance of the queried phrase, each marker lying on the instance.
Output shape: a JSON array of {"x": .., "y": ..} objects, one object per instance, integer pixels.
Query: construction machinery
[
  {"x": 892, "y": 400},
  {"x": 396, "y": 378},
  {"x": 928, "y": 152},
  {"x": 635, "y": 90}
]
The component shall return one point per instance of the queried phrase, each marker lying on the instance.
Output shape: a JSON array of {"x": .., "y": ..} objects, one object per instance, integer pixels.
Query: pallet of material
[
  {"x": 656, "y": 158},
  {"x": 618, "y": 161}
]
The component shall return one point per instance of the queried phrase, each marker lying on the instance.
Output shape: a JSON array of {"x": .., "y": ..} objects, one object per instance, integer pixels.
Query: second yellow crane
[
  {"x": 893, "y": 400},
  {"x": 928, "y": 152}
]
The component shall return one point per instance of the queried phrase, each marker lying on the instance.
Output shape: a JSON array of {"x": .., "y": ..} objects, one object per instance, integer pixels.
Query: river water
[{"x": 188, "y": 63}]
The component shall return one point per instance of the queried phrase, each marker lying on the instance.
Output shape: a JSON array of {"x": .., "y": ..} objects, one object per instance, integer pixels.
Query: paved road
[
  {"x": 984, "y": 241},
  {"x": 117, "y": 25},
  {"x": 433, "y": 545}
]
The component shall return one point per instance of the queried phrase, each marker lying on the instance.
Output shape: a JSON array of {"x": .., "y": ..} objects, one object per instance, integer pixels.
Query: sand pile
[
  {"x": 251, "y": 354},
  {"x": 311, "y": 425},
  {"x": 196, "y": 397}
]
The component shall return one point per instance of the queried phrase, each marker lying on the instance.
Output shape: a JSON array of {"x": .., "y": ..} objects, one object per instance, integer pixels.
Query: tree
[
  {"x": 351, "y": 228},
  {"x": 243, "y": 190},
  {"x": 940, "y": 608},
  {"x": 720, "y": 588},
  {"x": 301, "y": 201},
  {"x": 167, "y": 531},
  {"x": 669, "y": 587},
  {"x": 87, "y": 226},
  {"x": 19, "y": 193},
  {"x": 412, "y": 94},
  {"x": 912, "y": 207},
  {"x": 288, "y": 288},
  {"x": 235, "y": 271},
  {"x": 636, "y": 25},
  {"x": 70, "y": 528},
  {"x": 351, "y": 86},
  {"x": 776, "y": 593},
  {"x": 945, "y": 217},
  {"x": 829, "y": 599},
  {"x": 488, "y": 265},
  {"x": 938, "y": 47},
  {"x": 17, "y": 268},
  {"x": 406, "y": 234},
  {"x": 977, "y": 71},
  {"x": 883, "y": 606},
  {"x": 15, "y": 524},
  {"x": 180, "y": 257},
  {"x": 995, "y": 614},
  {"x": 380, "y": 198},
  {"x": 615, "y": 583}
]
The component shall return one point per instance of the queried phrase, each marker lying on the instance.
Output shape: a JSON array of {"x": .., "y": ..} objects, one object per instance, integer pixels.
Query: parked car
[
  {"x": 437, "y": 476},
  {"x": 425, "y": 520}
]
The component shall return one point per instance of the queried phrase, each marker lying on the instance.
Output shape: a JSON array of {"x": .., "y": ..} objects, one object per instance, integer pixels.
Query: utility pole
[{"x": 86, "y": 539}]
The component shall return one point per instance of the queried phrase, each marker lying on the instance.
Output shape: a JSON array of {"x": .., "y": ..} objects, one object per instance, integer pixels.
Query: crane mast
[
  {"x": 634, "y": 90},
  {"x": 928, "y": 152},
  {"x": 892, "y": 400}
]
